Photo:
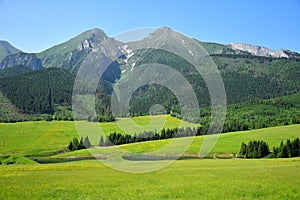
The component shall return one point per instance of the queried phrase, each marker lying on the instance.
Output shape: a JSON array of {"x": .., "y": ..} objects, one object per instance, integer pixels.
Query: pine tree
[
  {"x": 101, "y": 143},
  {"x": 295, "y": 147},
  {"x": 75, "y": 144},
  {"x": 243, "y": 149},
  {"x": 275, "y": 152},
  {"x": 163, "y": 134},
  {"x": 81, "y": 144},
  {"x": 86, "y": 142},
  {"x": 70, "y": 146},
  {"x": 259, "y": 150}
]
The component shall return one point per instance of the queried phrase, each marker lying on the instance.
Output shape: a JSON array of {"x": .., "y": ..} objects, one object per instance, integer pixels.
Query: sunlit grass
[
  {"x": 228, "y": 143},
  {"x": 185, "y": 179},
  {"x": 43, "y": 137}
]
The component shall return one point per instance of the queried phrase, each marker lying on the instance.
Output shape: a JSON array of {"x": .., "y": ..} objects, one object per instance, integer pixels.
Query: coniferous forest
[{"x": 260, "y": 149}]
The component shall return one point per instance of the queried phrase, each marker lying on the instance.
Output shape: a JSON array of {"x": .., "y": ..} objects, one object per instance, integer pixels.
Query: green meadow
[
  {"x": 41, "y": 137},
  {"x": 184, "y": 179},
  {"x": 227, "y": 145}
]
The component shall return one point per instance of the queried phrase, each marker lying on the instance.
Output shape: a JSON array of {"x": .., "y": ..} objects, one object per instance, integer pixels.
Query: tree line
[
  {"x": 254, "y": 148},
  {"x": 118, "y": 138},
  {"x": 287, "y": 150},
  {"x": 260, "y": 149}
]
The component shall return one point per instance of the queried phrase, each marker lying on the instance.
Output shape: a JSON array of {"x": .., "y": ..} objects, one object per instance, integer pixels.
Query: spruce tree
[
  {"x": 86, "y": 142},
  {"x": 101, "y": 143},
  {"x": 243, "y": 149},
  {"x": 75, "y": 144},
  {"x": 70, "y": 146},
  {"x": 81, "y": 144}
]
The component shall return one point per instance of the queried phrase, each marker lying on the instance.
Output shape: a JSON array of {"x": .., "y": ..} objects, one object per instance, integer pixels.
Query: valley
[{"x": 42, "y": 113}]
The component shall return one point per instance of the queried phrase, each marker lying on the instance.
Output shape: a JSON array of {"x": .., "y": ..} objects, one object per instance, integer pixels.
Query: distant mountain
[
  {"x": 7, "y": 49},
  {"x": 25, "y": 59},
  {"x": 258, "y": 50},
  {"x": 70, "y": 55}
]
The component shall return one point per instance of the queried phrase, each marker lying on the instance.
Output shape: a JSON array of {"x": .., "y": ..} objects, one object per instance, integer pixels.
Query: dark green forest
[
  {"x": 11, "y": 71},
  {"x": 46, "y": 94},
  {"x": 39, "y": 91}
]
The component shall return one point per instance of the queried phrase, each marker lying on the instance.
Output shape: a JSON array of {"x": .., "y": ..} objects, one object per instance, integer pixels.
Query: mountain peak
[
  {"x": 96, "y": 32},
  {"x": 165, "y": 30},
  {"x": 3, "y": 42},
  {"x": 163, "y": 33},
  {"x": 70, "y": 54},
  {"x": 7, "y": 49}
]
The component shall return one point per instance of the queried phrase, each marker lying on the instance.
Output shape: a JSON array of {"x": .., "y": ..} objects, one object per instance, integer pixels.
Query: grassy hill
[
  {"x": 227, "y": 145},
  {"x": 41, "y": 137}
]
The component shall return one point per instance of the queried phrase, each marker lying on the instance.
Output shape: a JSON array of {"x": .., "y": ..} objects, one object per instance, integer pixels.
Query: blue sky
[{"x": 35, "y": 25}]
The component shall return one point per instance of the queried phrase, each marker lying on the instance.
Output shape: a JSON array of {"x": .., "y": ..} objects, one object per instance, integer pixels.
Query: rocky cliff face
[
  {"x": 92, "y": 39},
  {"x": 258, "y": 50},
  {"x": 25, "y": 59}
]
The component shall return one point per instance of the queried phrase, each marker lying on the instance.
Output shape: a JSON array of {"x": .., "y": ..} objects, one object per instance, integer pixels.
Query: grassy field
[
  {"x": 41, "y": 137},
  {"x": 227, "y": 145},
  {"x": 184, "y": 179},
  {"x": 44, "y": 138}
]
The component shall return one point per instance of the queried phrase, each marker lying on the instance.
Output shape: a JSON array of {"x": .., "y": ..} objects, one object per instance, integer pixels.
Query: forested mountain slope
[{"x": 35, "y": 90}]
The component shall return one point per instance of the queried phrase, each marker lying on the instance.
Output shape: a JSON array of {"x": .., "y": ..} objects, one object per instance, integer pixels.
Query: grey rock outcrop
[
  {"x": 26, "y": 59},
  {"x": 258, "y": 50}
]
